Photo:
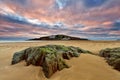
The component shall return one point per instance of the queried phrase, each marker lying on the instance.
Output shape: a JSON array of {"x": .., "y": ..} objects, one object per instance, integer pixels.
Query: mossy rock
[
  {"x": 117, "y": 64},
  {"x": 49, "y": 57},
  {"x": 112, "y": 55}
]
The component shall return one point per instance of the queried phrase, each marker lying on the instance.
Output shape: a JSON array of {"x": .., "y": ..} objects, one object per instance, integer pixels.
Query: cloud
[
  {"x": 13, "y": 19},
  {"x": 93, "y": 3},
  {"x": 83, "y": 18},
  {"x": 116, "y": 25},
  {"x": 61, "y": 3},
  {"x": 22, "y": 2}
]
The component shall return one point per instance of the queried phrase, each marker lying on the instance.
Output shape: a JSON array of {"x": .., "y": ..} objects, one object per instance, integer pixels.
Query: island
[{"x": 58, "y": 37}]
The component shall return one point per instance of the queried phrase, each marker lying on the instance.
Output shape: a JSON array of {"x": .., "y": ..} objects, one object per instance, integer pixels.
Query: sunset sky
[{"x": 92, "y": 19}]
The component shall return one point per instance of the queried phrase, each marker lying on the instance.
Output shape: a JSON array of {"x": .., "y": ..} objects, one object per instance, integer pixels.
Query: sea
[{"x": 14, "y": 41}]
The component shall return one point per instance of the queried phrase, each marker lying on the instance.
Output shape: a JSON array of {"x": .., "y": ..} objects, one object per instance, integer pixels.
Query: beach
[{"x": 85, "y": 67}]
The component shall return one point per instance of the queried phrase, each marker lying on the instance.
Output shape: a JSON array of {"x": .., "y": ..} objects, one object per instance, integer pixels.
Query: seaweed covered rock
[
  {"x": 50, "y": 57},
  {"x": 112, "y": 55}
]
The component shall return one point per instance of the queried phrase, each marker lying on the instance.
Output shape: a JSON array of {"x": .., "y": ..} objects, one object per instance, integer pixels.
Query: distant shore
[{"x": 20, "y": 41}]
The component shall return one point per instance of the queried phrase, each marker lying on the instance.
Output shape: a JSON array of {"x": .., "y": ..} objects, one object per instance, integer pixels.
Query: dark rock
[
  {"x": 50, "y": 57},
  {"x": 117, "y": 64},
  {"x": 18, "y": 56},
  {"x": 112, "y": 55}
]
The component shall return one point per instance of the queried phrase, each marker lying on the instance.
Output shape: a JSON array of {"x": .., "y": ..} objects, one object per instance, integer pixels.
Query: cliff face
[{"x": 58, "y": 37}]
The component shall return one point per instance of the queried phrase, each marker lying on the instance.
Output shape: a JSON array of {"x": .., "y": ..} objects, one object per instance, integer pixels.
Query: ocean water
[{"x": 13, "y": 41}]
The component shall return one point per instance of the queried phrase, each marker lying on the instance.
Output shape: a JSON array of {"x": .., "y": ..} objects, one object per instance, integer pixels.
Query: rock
[
  {"x": 112, "y": 55},
  {"x": 18, "y": 56},
  {"x": 117, "y": 64},
  {"x": 52, "y": 64},
  {"x": 50, "y": 57}
]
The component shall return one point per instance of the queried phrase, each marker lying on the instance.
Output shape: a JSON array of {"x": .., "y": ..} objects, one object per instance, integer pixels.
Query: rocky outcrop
[
  {"x": 50, "y": 57},
  {"x": 58, "y": 37},
  {"x": 112, "y": 55}
]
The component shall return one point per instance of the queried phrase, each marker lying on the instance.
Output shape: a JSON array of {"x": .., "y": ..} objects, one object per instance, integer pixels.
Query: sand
[{"x": 85, "y": 67}]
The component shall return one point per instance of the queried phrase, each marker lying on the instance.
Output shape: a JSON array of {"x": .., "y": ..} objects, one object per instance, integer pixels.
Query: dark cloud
[
  {"x": 13, "y": 18},
  {"x": 93, "y": 3},
  {"x": 17, "y": 2},
  {"x": 61, "y": 4},
  {"x": 116, "y": 26},
  {"x": 22, "y": 2}
]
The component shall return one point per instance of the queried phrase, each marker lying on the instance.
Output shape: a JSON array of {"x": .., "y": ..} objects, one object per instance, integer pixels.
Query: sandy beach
[{"x": 85, "y": 67}]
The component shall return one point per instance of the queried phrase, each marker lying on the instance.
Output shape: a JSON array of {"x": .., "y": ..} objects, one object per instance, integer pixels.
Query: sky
[{"x": 91, "y": 19}]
